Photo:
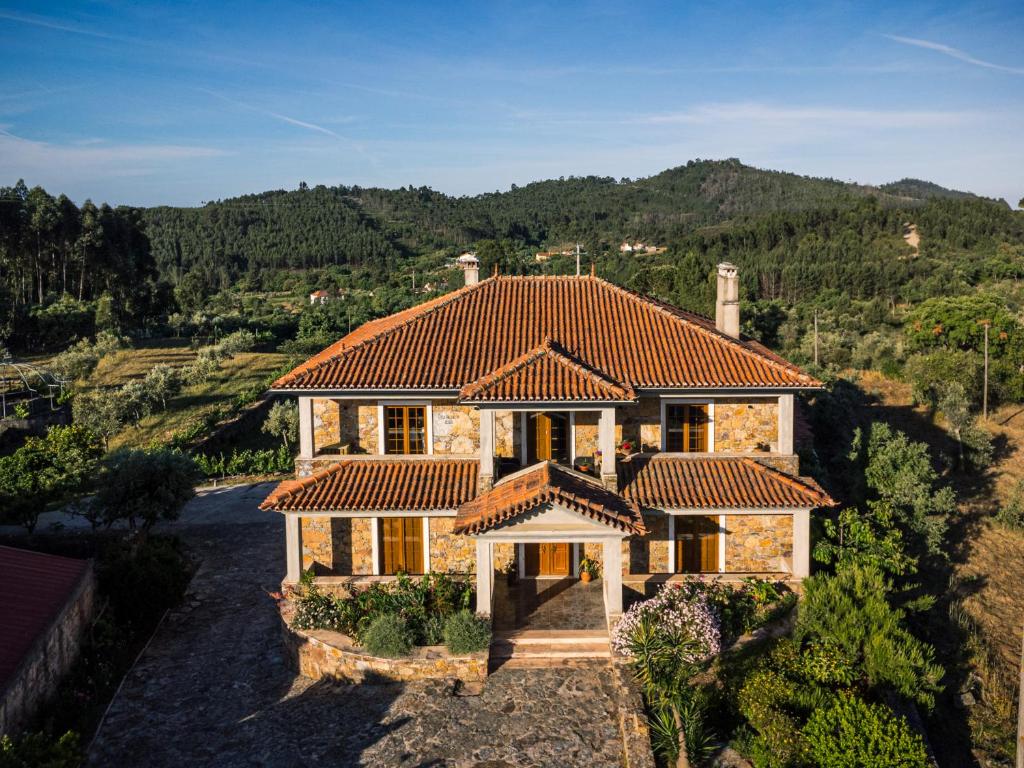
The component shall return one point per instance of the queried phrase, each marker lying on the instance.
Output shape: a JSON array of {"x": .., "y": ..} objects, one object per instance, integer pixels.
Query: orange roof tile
[
  {"x": 545, "y": 373},
  {"x": 543, "y": 483},
  {"x": 455, "y": 339},
  {"x": 674, "y": 482},
  {"x": 376, "y": 485}
]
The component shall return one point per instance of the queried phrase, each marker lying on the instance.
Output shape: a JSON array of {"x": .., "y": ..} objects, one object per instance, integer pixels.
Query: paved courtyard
[{"x": 214, "y": 688}]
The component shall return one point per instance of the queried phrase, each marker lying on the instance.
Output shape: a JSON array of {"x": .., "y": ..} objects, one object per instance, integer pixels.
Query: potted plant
[
  {"x": 589, "y": 569},
  {"x": 585, "y": 464},
  {"x": 626, "y": 447}
]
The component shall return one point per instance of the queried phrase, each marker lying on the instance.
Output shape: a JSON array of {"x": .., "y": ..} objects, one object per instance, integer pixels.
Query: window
[
  {"x": 696, "y": 544},
  {"x": 401, "y": 545},
  {"x": 405, "y": 429},
  {"x": 686, "y": 427}
]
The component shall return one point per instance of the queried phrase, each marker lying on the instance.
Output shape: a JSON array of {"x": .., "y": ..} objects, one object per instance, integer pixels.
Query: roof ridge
[
  {"x": 680, "y": 315},
  {"x": 787, "y": 479},
  {"x": 558, "y": 352},
  {"x": 427, "y": 308}
]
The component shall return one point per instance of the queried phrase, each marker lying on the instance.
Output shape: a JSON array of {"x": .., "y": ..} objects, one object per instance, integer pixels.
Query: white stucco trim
[
  {"x": 576, "y": 559},
  {"x": 712, "y": 511},
  {"x": 426, "y": 545},
  {"x": 671, "y": 543},
  {"x": 721, "y": 543},
  {"x": 428, "y": 418},
  {"x": 375, "y": 544},
  {"x": 346, "y": 513},
  {"x": 709, "y": 402},
  {"x": 572, "y": 438},
  {"x": 523, "y": 447}
]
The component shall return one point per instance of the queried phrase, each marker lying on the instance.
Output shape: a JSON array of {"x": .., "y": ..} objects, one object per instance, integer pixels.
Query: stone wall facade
[
  {"x": 507, "y": 442},
  {"x": 322, "y": 654},
  {"x": 48, "y": 661},
  {"x": 456, "y": 429},
  {"x": 758, "y": 543},
  {"x": 640, "y": 424},
  {"x": 586, "y": 433},
  {"x": 338, "y": 545},
  {"x": 746, "y": 425},
  {"x": 326, "y": 424},
  {"x": 449, "y": 552}
]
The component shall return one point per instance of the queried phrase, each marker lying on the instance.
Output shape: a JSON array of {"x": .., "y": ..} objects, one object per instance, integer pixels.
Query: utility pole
[
  {"x": 815, "y": 338},
  {"x": 1020, "y": 713},
  {"x": 984, "y": 391},
  {"x": 577, "y": 259}
]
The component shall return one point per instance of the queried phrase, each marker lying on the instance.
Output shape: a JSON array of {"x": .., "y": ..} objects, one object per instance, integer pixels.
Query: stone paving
[
  {"x": 214, "y": 688},
  {"x": 549, "y": 604}
]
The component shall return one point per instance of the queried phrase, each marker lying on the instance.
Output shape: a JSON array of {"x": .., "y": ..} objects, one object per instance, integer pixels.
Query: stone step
[
  {"x": 589, "y": 650},
  {"x": 569, "y": 637},
  {"x": 514, "y": 662}
]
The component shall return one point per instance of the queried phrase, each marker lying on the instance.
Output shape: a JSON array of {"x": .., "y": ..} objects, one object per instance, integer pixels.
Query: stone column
[
  {"x": 606, "y": 444},
  {"x": 612, "y": 571},
  {"x": 293, "y": 547},
  {"x": 801, "y": 543},
  {"x": 486, "y": 475},
  {"x": 306, "y": 440},
  {"x": 484, "y": 577},
  {"x": 786, "y": 424}
]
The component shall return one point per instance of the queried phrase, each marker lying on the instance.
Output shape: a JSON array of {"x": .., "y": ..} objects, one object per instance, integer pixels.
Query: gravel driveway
[{"x": 214, "y": 688}]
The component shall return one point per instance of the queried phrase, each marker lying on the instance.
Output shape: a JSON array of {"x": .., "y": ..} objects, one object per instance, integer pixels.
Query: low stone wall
[
  {"x": 46, "y": 663},
  {"x": 320, "y": 654},
  {"x": 636, "y": 734}
]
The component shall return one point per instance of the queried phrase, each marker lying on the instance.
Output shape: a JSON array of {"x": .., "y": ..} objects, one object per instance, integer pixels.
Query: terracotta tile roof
[
  {"x": 547, "y": 373},
  {"x": 36, "y": 587},
  {"x": 455, "y": 339},
  {"x": 672, "y": 482},
  {"x": 543, "y": 483},
  {"x": 375, "y": 485}
]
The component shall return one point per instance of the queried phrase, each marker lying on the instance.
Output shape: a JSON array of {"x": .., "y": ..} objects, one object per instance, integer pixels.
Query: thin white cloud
[
  {"x": 42, "y": 21},
  {"x": 955, "y": 53},
  {"x": 781, "y": 115}
]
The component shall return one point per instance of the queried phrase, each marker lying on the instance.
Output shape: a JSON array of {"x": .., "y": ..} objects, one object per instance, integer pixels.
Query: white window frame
[
  {"x": 709, "y": 402},
  {"x": 428, "y": 418}
]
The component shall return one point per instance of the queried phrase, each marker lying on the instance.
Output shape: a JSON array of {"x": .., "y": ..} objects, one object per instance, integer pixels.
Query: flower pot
[{"x": 585, "y": 577}]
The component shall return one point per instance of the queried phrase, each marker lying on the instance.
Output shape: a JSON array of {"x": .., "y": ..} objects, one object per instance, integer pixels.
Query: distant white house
[
  {"x": 319, "y": 297},
  {"x": 628, "y": 247}
]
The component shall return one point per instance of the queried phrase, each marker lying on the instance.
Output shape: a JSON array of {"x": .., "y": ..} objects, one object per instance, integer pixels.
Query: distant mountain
[
  {"x": 356, "y": 226},
  {"x": 921, "y": 190}
]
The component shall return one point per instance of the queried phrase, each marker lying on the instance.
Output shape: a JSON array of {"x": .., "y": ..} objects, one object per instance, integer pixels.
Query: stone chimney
[
  {"x": 470, "y": 266},
  {"x": 727, "y": 303}
]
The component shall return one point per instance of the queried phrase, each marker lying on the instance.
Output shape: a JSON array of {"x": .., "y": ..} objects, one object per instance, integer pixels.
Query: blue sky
[{"x": 183, "y": 102}]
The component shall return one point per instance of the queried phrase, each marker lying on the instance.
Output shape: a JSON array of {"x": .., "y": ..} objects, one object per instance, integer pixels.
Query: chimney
[
  {"x": 470, "y": 266},
  {"x": 727, "y": 303}
]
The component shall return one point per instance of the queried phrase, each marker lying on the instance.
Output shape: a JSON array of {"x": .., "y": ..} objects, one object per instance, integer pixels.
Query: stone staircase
[{"x": 533, "y": 648}]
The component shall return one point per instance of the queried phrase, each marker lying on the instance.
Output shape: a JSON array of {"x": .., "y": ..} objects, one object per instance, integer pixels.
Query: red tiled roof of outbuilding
[{"x": 456, "y": 339}]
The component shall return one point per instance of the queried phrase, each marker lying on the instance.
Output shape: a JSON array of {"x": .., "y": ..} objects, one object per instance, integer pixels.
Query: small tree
[
  {"x": 144, "y": 487},
  {"x": 283, "y": 422},
  {"x": 134, "y": 402},
  {"x": 99, "y": 412},
  {"x": 974, "y": 444},
  {"x": 162, "y": 382}
]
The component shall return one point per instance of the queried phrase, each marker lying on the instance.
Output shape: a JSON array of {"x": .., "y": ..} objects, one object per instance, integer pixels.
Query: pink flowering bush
[{"x": 682, "y": 614}]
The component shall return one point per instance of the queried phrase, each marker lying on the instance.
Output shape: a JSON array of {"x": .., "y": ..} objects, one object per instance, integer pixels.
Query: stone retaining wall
[
  {"x": 320, "y": 654},
  {"x": 46, "y": 663}
]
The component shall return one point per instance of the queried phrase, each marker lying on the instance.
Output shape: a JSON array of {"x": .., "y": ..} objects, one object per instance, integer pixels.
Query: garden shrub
[
  {"x": 39, "y": 749},
  {"x": 851, "y": 733},
  {"x": 466, "y": 633},
  {"x": 388, "y": 636},
  {"x": 1011, "y": 512},
  {"x": 433, "y": 630}
]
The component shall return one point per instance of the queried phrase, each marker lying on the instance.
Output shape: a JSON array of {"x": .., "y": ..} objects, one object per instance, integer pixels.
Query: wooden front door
[
  {"x": 546, "y": 559},
  {"x": 548, "y": 438},
  {"x": 696, "y": 544},
  {"x": 401, "y": 545}
]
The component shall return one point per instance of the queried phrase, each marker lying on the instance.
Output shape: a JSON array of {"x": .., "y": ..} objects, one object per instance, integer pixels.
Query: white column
[
  {"x": 671, "y": 543},
  {"x": 801, "y": 543},
  {"x": 606, "y": 444},
  {"x": 612, "y": 572},
  {"x": 484, "y": 577},
  {"x": 786, "y": 424},
  {"x": 486, "y": 478},
  {"x": 293, "y": 548},
  {"x": 306, "y": 445}
]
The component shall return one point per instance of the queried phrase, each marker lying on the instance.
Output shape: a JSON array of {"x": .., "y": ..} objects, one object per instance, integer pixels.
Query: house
[
  {"x": 521, "y": 423},
  {"x": 319, "y": 297},
  {"x": 47, "y": 603}
]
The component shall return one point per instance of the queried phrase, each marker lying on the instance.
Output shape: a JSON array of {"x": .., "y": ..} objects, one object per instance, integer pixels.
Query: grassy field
[{"x": 240, "y": 374}]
